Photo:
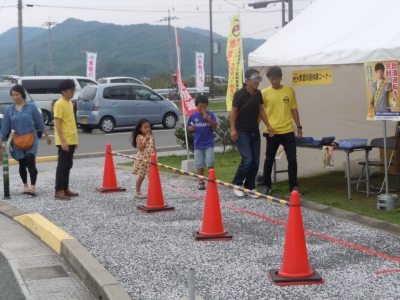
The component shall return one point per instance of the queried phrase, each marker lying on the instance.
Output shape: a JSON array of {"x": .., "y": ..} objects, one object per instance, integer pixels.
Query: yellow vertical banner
[{"x": 234, "y": 57}]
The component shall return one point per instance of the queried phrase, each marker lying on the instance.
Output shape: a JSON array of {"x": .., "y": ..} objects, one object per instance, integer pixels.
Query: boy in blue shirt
[{"x": 202, "y": 122}]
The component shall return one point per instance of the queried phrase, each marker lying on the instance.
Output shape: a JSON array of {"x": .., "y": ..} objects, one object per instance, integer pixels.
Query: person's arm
[
  {"x": 213, "y": 124},
  {"x": 38, "y": 120},
  {"x": 296, "y": 118},
  {"x": 141, "y": 143},
  {"x": 232, "y": 119},
  {"x": 64, "y": 144},
  {"x": 264, "y": 118}
]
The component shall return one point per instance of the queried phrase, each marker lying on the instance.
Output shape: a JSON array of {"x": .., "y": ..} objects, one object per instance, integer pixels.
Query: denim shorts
[{"x": 204, "y": 158}]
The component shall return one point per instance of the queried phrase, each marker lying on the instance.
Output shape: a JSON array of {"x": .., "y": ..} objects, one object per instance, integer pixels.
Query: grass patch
[
  {"x": 212, "y": 105},
  {"x": 328, "y": 188}
]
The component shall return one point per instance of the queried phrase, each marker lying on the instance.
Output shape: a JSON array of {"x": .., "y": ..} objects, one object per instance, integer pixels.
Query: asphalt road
[{"x": 97, "y": 140}]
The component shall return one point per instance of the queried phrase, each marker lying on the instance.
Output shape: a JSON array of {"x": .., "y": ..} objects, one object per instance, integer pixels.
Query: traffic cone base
[
  {"x": 148, "y": 210},
  {"x": 199, "y": 237},
  {"x": 285, "y": 281},
  {"x": 117, "y": 189}
]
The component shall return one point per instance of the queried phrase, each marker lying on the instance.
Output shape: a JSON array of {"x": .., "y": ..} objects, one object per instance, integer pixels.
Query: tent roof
[{"x": 335, "y": 32}]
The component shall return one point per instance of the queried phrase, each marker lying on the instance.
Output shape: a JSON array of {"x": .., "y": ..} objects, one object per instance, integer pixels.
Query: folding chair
[{"x": 378, "y": 143}]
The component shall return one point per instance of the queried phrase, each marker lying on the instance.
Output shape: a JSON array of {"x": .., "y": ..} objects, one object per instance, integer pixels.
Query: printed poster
[
  {"x": 382, "y": 81},
  {"x": 234, "y": 57},
  {"x": 327, "y": 157}
]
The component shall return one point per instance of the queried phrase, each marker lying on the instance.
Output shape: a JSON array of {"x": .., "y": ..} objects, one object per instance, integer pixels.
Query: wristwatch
[{"x": 300, "y": 127}]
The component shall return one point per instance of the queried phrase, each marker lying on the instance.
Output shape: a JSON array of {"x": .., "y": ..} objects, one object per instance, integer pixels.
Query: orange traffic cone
[
  {"x": 109, "y": 176},
  {"x": 212, "y": 228},
  {"x": 155, "y": 199},
  {"x": 295, "y": 266}
]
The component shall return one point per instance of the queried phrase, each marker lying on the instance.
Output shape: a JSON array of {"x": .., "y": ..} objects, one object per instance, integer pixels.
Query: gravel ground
[{"x": 151, "y": 254}]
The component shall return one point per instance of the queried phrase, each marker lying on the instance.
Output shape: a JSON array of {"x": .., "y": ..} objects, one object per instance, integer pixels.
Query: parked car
[
  {"x": 119, "y": 80},
  {"x": 107, "y": 106},
  {"x": 44, "y": 89},
  {"x": 6, "y": 100}
]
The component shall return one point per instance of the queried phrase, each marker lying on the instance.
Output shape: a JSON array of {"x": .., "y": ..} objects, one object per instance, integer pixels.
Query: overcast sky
[{"x": 256, "y": 23}]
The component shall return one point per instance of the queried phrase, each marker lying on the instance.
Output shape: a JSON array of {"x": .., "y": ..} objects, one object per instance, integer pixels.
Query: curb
[{"x": 93, "y": 275}]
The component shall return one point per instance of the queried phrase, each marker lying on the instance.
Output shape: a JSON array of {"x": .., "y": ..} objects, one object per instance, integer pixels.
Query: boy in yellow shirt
[
  {"x": 281, "y": 109},
  {"x": 66, "y": 139}
]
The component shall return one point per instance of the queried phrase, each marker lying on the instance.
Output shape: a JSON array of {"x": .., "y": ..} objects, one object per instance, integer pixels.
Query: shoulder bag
[{"x": 22, "y": 142}]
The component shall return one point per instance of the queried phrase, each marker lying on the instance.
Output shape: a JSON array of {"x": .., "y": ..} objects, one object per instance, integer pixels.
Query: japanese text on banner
[
  {"x": 91, "y": 65},
  {"x": 234, "y": 57}
]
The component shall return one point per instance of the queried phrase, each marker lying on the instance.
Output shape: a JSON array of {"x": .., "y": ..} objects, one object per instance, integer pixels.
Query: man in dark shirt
[{"x": 247, "y": 108}]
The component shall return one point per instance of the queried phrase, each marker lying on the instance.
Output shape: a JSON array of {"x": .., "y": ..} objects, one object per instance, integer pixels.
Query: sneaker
[
  {"x": 296, "y": 189},
  {"x": 266, "y": 191},
  {"x": 238, "y": 193},
  {"x": 202, "y": 185},
  {"x": 253, "y": 196}
]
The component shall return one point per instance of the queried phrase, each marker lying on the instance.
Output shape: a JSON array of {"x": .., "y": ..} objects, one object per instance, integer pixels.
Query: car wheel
[
  {"x": 169, "y": 121},
  {"x": 39, "y": 134},
  {"x": 46, "y": 117},
  {"x": 107, "y": 124},
  {"x": 87, "y": 128}
]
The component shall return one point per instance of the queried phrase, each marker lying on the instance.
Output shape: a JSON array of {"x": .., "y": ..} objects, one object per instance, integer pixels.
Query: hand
[
  {"x": 64, "y": 146},
  {"x": 148, "y": 137},
  {"x": 207, "y": 117},
  {"x": 192, "y": 128},
  {"x": 234, "y": 135},
  {"x": 299, "y": 133},
  {"x": 48, "y": 140},
  {"x": 3, "y": 149},
  {"x": 271, "y": 131}
]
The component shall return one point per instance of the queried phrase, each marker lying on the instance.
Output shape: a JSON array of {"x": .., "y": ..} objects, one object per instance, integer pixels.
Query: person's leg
[
  {"x": 243, "y": 145},
  {"x": 271, "y": 148},
  {"x": 70, "y": 161},
  {"x": 255, "y": 143},
  {"x": 23, "y": 174},
  {"x": 62, "y": 167},
  {"x": 289, "y": 145},
  {"x": 199, "y": 163},
  {"x": 139, "y": 182},
  {"x": 31, "y": 165}
]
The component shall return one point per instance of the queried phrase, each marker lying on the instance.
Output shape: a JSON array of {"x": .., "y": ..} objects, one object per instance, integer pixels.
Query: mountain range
[{"x": 133, "y": 50}]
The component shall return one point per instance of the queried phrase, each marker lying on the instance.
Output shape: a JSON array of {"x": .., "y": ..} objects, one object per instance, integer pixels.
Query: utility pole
[
  {"x": 211, "y": 55},
  {"x": 49, "y": 24},
  {"x": 20, "y": 41},
  {"x": 169, "y": 18}
]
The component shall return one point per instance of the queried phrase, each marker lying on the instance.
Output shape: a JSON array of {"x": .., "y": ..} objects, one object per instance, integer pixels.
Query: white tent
[{"x": 340, "y": 35}]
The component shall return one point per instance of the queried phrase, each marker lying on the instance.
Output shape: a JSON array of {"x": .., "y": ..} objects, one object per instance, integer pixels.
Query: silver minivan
[
  {"x": 44, "y": 89},
  {"x": 106, "y": 106}
]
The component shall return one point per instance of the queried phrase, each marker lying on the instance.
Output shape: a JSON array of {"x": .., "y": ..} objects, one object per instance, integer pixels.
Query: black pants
[
  {"x": 65, "y": 162},
  {"x": 28, "y": 163},
  {"x": 288, "y": 141}
]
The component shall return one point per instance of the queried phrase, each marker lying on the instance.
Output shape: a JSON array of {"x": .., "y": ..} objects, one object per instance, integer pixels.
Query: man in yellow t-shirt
[
  {"x": 66, "y": 136},
  {"x": 281, "y": 109}
]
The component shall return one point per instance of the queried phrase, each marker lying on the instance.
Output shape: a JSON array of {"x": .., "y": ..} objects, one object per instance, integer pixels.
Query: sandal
[
  {"x": 139, "y": 195},
  {"x": 29, "y": 192},
  {"x": 202, "y": 185}
]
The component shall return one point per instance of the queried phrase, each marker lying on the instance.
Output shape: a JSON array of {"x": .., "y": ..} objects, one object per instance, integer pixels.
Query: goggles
[{"x": 257, "y": 78}]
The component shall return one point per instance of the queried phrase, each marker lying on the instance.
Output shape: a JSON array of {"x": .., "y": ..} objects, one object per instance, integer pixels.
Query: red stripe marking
[
  {"x": 387, "y": 271},
  {"x": 350, "y": 245}
]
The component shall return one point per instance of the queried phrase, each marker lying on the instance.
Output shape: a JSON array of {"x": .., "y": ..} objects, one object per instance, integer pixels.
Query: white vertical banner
[
  {"x": 91, "y": 65},
  {"x": 200, "y": 76}
]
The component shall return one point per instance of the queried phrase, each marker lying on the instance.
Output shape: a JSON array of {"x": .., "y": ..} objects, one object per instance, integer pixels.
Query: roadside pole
[{"x": 6, "y": 180}]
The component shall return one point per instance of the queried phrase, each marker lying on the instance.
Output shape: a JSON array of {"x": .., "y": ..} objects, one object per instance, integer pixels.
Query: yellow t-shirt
[
  {"x": 278, "y": 105},
  {"x": 64, "y": 110}
]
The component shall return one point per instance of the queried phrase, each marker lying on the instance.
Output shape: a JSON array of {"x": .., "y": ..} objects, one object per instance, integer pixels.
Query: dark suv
[{"x": 6, "y": 100}]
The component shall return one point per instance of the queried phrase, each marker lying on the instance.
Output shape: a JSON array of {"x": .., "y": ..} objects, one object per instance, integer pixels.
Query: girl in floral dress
[{"x": 143, "y": 140}]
